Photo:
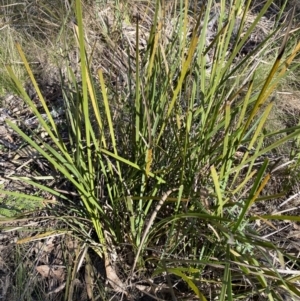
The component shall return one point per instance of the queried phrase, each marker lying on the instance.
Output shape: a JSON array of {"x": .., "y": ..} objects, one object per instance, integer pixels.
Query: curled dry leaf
[
  {"x": 113, "y": 278},
  {"x": 57, "y": 272}
]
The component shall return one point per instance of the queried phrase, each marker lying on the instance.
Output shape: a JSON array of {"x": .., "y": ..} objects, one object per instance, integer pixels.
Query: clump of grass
[
  {"x": 8, "y": 54},
  {"x": 167, "y": 168}
]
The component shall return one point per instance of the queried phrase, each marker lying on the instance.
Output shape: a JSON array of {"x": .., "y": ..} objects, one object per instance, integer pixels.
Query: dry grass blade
[{"x": 149, "y": 225}]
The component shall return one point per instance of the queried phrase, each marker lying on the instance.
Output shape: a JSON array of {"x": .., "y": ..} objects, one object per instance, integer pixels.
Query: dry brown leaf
[
  {"x": 57, "y": 272},
  {"x": 113, "y": 278}
]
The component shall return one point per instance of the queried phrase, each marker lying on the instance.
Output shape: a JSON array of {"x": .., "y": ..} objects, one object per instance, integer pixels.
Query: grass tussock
[{"x": 148, "y": 145}]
